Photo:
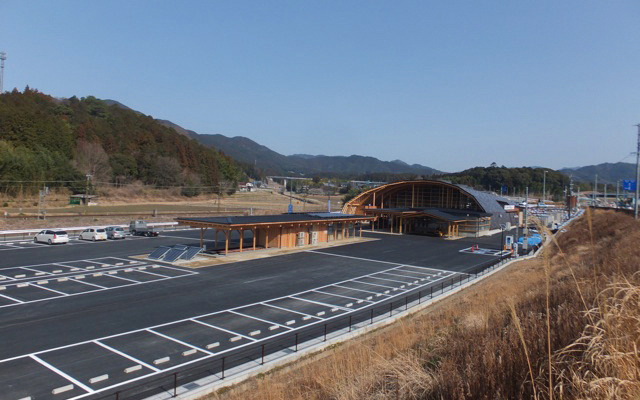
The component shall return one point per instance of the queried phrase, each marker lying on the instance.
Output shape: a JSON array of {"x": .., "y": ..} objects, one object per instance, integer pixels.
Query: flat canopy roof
[
  {"x": 275, "y": 219},
  {"x": 438, "y": 213}
]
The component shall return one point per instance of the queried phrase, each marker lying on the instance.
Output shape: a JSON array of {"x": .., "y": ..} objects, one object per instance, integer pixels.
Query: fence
[{"x": 235, "y": 361}]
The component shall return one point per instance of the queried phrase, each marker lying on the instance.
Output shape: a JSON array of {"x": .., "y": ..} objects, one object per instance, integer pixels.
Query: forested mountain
[
  {"x": 607, "y": 172},
  {"x": 61, "y": 140},
  {"x": 494, "y": 178},
  {"x": 247, "y": 151}
]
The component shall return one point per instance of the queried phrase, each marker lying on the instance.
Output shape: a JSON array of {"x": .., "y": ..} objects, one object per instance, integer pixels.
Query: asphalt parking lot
[{"x": 82, "y": 334}]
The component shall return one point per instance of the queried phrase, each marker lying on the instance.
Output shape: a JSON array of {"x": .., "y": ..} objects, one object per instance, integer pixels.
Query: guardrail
[
  {"x": 29, "y": 233},
  {"x": 234, "y": 362}
]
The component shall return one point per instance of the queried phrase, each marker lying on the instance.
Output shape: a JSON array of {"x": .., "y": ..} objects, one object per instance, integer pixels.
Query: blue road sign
[
  {"x": 290, "y": 208},
  {"x": 629, "y": 185}
]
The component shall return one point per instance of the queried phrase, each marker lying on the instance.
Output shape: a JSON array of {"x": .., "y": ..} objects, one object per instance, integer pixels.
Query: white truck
[{"x": 140, "y": 228}]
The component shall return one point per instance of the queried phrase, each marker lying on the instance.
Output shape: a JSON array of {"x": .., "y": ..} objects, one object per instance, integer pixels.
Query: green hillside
[
  {"x": 61, "y": 140},
  {"x": 494, "y": 178}
]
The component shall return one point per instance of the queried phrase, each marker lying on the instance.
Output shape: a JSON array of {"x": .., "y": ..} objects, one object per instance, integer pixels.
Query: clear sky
[{"x": 448, "y": 84}]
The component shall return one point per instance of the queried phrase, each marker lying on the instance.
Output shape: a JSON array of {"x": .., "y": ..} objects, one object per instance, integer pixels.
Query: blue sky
[{"x": 449, "y": 84}]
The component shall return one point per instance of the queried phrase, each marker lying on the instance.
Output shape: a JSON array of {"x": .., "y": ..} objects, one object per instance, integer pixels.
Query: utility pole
[
  {"x": 595, "y": 191},
  {"x": 605, "y": 194},
  {"x": 635, "y": 207},
  {"x": 544, "y": 186},
  {"x": 525, "y": 241},
  {"x": 617, "y": 192},
  {"x": 3, "y": 56}
]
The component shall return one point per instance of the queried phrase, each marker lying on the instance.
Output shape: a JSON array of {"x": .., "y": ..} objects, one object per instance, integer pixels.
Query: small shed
[{"x": 82, "y": 199}]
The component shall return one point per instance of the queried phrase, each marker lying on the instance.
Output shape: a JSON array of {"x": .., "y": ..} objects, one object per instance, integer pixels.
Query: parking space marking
[
  {"x": 11, "y": 298},
  {"x": 77, "y": 279},
  {"x": 357, "y": 290},
  {"x": 339, "y": 295},
  {"x": 287, "y": 309},
  {"x": 322, "y": 304},
  {"x": 220, "y": 328},
  {"x": 258, "y": 319},
  {"x": 125, "y": 355},
  {"x": 372, "y": 260},
  {"x": 374, "y": 284},
  {"x": 237, "y": 336},
  {"x": 38, "y": 281},
  {"x": 390, "y": 280},
  {"x": 62, "y": 374},
  {"x": 179, "y": 341},
  {"x": 49, "y": 289}
]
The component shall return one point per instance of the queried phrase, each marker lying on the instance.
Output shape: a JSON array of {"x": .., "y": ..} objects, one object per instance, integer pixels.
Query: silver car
[{"x": 114, "y": 232}]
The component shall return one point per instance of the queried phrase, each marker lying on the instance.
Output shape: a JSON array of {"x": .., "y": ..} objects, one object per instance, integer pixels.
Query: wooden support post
[
  {"x": 400, "y": 225},
  {"x": 280, "y": 239},
  {"x": 266, "y": 241},
  {"x": 215, "y": 239},
  {"x": 201, "y": 237},
  {"x": 226, "y": 242},
  {"x": 255, "y": 233},
  {"x": 413, "y": 195},
  {"x": 361, "y": 228},
  {"x": 241, "y": 239},
  {"x": 391, "y": 219}
]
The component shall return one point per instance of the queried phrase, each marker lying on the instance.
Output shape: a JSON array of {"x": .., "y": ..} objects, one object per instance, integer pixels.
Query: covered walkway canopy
[{"x": 281, "y": 230}]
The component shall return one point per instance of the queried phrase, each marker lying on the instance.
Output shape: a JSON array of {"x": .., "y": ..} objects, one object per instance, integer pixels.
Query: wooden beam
[
  {"x": 266, "y": 240},
  {"x": 241, "y": 239},
  {"x": 226, "y": 242},
  {"x": 255, "y": 233}
]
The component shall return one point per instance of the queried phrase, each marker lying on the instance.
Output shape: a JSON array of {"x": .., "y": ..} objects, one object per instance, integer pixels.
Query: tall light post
[
  {"x": 635, "y": 207},
  {"x": 544, "y": 186}
]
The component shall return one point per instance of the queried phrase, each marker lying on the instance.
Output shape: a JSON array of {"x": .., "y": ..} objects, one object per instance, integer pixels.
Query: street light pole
[
  {"x": 544, "y": 186},
  {"x": 635, "y": 207}
]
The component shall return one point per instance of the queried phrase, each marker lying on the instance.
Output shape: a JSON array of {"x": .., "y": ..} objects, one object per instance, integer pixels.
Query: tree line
[{"x": 58, "y": 142}]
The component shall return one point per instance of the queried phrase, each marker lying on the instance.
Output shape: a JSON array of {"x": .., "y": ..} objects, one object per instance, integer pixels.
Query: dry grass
[{"x": 521, "y": 334}]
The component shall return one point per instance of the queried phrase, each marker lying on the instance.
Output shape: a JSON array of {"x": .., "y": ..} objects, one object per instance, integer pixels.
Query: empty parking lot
[{"x": 87, "y": 342}]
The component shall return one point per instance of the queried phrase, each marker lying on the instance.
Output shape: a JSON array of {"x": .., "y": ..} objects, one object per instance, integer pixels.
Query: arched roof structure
[{"x": 434, "y": 195}]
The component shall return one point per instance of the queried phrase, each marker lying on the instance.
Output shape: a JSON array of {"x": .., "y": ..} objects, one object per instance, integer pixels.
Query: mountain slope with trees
[
  {"x": 607, "y": 172},
  {"x": 248, "y": 151},
  {"x": 494, "y": 178},
  {"x": 61, "y": 140}
]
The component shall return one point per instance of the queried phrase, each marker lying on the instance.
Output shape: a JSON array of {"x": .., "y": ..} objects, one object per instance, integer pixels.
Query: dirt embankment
[{"x": 565, "y": 325}]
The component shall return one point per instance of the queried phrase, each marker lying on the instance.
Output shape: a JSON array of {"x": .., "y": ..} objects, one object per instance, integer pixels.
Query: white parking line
[
  {"x": 387, "y": 279},
  {"x": 62, "y": 374},
  {"x": 287, "y": 309},
  {"x": 12, "y": 299},
  {"x": 371, "y": 260},
  {"x": 339, "y": 295},
  {"x": 220, "y": 328},
  {"x": 125, "y": 355},
  {"x": 322, "y": 304},
  {"x": 178, "y": 341},
  {"x": 49, "y": 289},
  {"x": 358, "y": 290},
  {"x": 76, "y": 279},
  {"x": 259, "y": 319}
]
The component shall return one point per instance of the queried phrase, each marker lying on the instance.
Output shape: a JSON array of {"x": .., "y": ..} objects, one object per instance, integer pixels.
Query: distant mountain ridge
[{"x": 607, "y": 172}]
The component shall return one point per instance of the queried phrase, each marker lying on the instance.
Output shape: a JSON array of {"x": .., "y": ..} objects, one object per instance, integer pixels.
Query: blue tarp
[{"x": 532, "y": 240}]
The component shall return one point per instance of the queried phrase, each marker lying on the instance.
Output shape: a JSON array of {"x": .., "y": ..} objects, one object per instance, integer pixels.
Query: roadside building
[
  {"x": 433, "y": 207},
  {"x": 279, "y": 230}
]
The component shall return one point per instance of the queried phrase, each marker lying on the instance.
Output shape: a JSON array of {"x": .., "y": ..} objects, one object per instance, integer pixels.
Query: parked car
[
  {"x": 93, "y": 234},
  {"x": 51, "y": 237},
  {"x": 114, "y": 232}
]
